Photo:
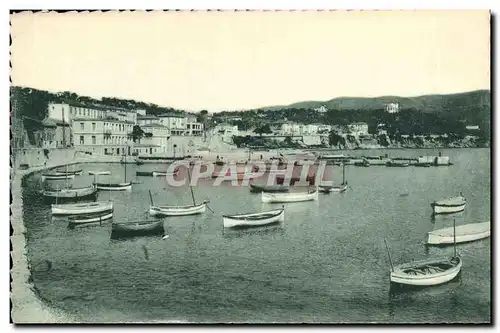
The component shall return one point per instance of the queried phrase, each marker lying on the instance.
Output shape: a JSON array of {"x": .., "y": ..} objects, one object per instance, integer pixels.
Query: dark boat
[
  {"x": 144, "y": 173},
  {"x": 137, "y": 228},
  {"x": 268, "y": 188},
  {"x": 70, "y": 194},
  {"x": 363, "y": 163},
  {"x": 423, "y": 165},
  {"x": 397, "y": 164}
]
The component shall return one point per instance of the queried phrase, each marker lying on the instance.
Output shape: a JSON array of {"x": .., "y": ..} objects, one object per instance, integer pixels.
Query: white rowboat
[
  {"x": 145, "y": 227},
  {"x": 450, "y": 205},
  {"x": 177, "y": 210},
  {"x": 164, "y": 174},
  {"x": 99, "y": 173},
  {"x": 289, "y": 196},
  {"x": 464, "y": 233},
  {"x": 70, "y": 193},
  {"x": 56, "y": 176},
  {"x": 254, "y": 219},
  {"x": 114, "y": 187},
  {"x": 82, "y": 208},
  {"x": 328, "y": 189},
  {"x": 428, "y": 272}
]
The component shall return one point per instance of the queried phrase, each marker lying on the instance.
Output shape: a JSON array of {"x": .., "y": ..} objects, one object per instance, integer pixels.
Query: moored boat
[
  {"x": 269, "y": 188},
  {"x": 69, "y": 194},
  {"x": 397, "y": 164},
  {"x": 423, "y": 164},
  {"x": 289, "y": 196},
  {"x": 329, "y": 189},
  {"x": 90, "y": 218},
  {"x": 97, "y": 173},
  {"x": 450, "y": 205},
  {"x": 56, "y": 176},
  {"x": 144, "y": 173},
  {"x": 69, "y": 172},
  {"x": 363, "y": 163},
  {"x": 254, "y": 219},
  {"x": 165, "y": 173},
  {"x": 137, "y": 228},
  {"x": 82, "y": 208},
  {"x": 114, "y": 186},
  {"x": 464, "y": 233},
  {"x": 178, "y": 210}
]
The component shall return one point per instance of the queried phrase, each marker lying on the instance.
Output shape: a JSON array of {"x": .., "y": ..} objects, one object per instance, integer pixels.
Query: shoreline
[{"x": 26, "y": 306}]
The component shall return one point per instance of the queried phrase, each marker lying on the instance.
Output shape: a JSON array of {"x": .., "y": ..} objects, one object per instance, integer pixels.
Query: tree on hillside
[{"x": 265, "y": 129}]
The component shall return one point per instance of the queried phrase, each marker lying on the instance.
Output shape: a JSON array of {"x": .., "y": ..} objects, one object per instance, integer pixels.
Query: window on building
[
  {"x": 82, "y": 139},
  {"x": 93, "y": 139},
  {"x": 82, "y": 126},
  {"x": 93, "y": 127}
]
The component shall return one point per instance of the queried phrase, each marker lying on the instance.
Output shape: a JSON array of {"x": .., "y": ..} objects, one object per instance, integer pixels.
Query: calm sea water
[{"x": 326, "y": 264}]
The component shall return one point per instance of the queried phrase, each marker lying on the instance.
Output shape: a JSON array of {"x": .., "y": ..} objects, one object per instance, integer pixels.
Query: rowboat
[
  {"x": 423, "y": 165},
  {"x": 69, "y": 172},
  {"x": 427, "y": 272},
  {"x": 269, "y": 188},
  {"x": 289, "y": 196},
  {"x": 397, "y": 164},
  {"x": 56, "y": 176},
  {"x": 341, "y": 188},
  {"x": 99, "y": 173},
  {"x": 464, "y": 233},
  {"x": 329, "y": 189},
  {"x": 144, "y": 173},
  {"x": 178, "y": 210},
  {"x": 165, "y": 173},
  {"x": 114, "y": 187},
  {"x": 138, "y": 228},
  {"x": 363, "y": 163},
  {"x": 254, "y": 219},
  {"x": 450, "y": 205},
  {"x": 68, "y": 194},
  {"x": 81, "y": 219},
  {"x": 82, "y": 208}
]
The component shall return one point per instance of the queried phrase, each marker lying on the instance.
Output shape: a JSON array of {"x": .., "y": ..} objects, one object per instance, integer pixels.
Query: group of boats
[{"x": 439, "y": 270}]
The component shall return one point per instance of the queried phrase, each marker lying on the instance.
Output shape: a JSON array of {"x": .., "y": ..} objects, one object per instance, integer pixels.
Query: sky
[{"x": 243, "y": 60}]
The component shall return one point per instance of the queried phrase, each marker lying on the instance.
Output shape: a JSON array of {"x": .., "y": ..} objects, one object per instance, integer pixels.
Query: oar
[{"x": 210, "y": 209}]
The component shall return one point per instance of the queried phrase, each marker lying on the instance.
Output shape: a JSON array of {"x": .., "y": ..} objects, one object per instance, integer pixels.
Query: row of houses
[{"x": 104, "y": 130}]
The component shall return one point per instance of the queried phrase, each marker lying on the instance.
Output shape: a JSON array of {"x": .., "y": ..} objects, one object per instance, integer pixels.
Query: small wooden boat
[
  {"x": 69, "y": 194},
  {"x": 165, "y": 173},
  {"x": 90, "y": 218},
  {"x": 56, "y": 176},
  {"x": 428, "y": 272},
  {"x": 144, "y": 173},
  {"x": 254, "y": 219},
  {"x": 289, "y": 196},
  {"x": 423, "y": 165},
  {"x": 269, "y": 188},
  {"x": 69, "y": 172},
  {"x": 178, "y": 210},
  {"x": 394, "y": 164},
  {"x": 139, "y": 162},
  {"x": 329, "y": 189},
  {"x": 464, "y": 233},
  {"x": 114, "y": 186},
  {"x": 82, "y": 208},
  {"x": 450, "y": 205},
  {"x": 341, "y": 188},
  {"x": 363, "y": 163},
  {"x": 138, "y": 228},
  {"x": 97, "y": 173}
]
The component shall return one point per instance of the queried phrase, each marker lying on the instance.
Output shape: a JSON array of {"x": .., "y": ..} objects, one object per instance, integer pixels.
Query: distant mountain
[{"x": 426, "y": 103}]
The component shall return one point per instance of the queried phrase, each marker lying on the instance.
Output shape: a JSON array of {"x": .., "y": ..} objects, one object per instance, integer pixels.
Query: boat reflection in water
[{"x": 271, "y": 229}]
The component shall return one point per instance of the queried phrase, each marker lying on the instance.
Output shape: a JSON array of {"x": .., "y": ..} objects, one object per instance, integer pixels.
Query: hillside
[{"x": 426, "y": 103}]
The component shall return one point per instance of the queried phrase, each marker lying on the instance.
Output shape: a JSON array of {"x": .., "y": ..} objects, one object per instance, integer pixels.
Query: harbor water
[{"x": 326, "y": 263}]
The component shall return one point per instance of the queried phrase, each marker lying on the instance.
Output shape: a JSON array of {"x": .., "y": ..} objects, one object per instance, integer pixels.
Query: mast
[
  {"x": 343, "y": 173},
  {"x": 190, "y": 187},
  {"x": 64, "y": 146},
  {"x": 125, "y": 161},
  {"x": 454, "y": 241},
  {"x": 389, "y": 253}
]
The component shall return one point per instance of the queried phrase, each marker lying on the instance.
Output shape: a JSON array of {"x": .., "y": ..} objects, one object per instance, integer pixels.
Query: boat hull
[
  {"x": 114, "y": 187},
  {"x": 464, "y": 233},
  {"x": 177, "y": 210},
  {"x": 398, "y": 277},
  {"x": 256, "y": 219},
  {"x": 288, "y": 197},
  {"x": 442, "y": 209},
  {"x": 137, "y": 229},
  {"x": 269, "y": 189},
  {"x": 90, "y": 218},
  {"x": 97, "y": 173},
  {"x": 164, "y": 174},
  {"x": 330, "y": 189},
  {"x": 79, "y": 209},
  {"x": 57, "y": 177},
  {"x": 70, "y": 194}
]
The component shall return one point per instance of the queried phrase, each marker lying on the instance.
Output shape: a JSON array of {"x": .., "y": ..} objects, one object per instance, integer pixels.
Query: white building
[
  {"x": 291, "y": 129},
  {"x": 193, "y": 127},
  {"x": 392, "y": 107},
  {"x": 226, "y": 131},
  {"x": 358, "y": 129},
  {"x": 156, "y": 136},
  {"x": 321, "y": 109},
  {"x": 147, "y": 119}
]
